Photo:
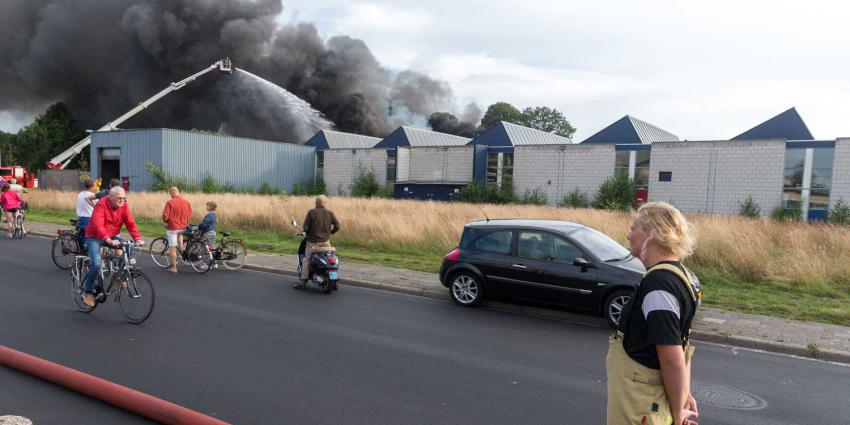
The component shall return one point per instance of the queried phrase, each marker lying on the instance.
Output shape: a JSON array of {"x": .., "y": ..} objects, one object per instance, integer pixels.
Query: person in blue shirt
[{"x": 207, "y": 227}]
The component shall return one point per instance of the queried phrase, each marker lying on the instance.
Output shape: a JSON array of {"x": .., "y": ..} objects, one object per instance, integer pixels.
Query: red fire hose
[{"x": 120, "y": 396}]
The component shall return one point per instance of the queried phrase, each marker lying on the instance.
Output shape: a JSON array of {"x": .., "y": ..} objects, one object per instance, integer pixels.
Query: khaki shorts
[{"x": 635, "y": 391}]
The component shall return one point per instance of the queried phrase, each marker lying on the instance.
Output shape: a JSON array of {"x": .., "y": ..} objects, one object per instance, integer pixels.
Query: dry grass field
[{"x": 751, "y": 250}]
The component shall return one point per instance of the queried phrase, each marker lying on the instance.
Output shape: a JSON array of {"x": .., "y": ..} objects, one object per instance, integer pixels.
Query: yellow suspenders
[{"x": 695, "y": 296}]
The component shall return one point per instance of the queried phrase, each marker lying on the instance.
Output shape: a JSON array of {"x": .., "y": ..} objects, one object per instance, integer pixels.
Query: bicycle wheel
[
  {"x": 63, "y": 252},
  {"x": 77, "y": 280},
  {"x": 136, "y": 298},
  {"x": 160, "y": 253},
  {"x": 199, "y": 256},
  {"x": 233, "y": 255},
  {"x": 19, "y": 227}
]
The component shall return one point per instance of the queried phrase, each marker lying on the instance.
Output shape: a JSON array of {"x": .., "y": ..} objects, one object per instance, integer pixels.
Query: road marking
[{"x": 713, "y": 320}]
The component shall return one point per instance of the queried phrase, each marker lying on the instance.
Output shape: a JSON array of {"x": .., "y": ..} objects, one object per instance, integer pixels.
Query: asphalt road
[{"x": 245, "y": 347}]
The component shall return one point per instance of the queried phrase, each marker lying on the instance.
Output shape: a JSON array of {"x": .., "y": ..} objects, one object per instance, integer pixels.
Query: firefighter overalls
[{"x": 635, "y": 392}]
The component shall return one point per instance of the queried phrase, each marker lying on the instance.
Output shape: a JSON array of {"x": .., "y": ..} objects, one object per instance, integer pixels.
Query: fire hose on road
[{"x": 117, "y": 395}]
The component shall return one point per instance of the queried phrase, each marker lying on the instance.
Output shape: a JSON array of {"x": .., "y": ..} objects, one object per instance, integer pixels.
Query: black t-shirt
[
  {"x": 660, "y": 312},
  {"x": 101, "y": 194}
]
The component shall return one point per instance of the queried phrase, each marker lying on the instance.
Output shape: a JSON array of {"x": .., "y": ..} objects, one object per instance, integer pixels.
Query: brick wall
[
  {"x": 840, "y": 172},
  {"x": 341, "y": 167},
  {"x": 715, "y": 177},
  {"x": 557, "y": 171},
  {"x": 434, "y": 164}
]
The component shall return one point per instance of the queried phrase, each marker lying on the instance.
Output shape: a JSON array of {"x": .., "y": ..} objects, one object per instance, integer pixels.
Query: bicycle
[
  {"x": 132, "y": 289},
  {"x": 66, "y": 246},
  {"x": 18, "y": 224},
  {"x": 230, "y": 253},
  {"x": 196, "y": 253}
]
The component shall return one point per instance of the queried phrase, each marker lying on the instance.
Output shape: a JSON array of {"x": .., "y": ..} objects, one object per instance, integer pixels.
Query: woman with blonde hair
[{"x": 648, "y": 362}]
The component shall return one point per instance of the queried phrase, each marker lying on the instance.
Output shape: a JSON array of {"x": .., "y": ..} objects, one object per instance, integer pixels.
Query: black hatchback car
[{"x": 556, "y": 263}]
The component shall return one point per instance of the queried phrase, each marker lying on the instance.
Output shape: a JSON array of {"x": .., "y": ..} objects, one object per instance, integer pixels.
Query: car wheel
[
  {"x": 466, "y": 289},
  {"x": 613, "y": 307}
]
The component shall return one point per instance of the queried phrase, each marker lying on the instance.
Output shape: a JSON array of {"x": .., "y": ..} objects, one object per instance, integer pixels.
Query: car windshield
[{"x": 603, "y": 247}]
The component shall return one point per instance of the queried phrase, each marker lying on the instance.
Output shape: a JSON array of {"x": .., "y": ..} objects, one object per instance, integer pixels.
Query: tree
[
  {"x": 50, "y": 134},
  {"x": 7, "y": 146},
  {"x": 549, "y": 120},
  {"x": 502, "y": 111}
]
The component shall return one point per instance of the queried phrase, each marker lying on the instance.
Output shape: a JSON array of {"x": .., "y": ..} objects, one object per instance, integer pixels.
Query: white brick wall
[
  {"x": 840, "y": 172},
  {"x": 341, "y": 166},
  {"x": 557, "y": 171},
  {"x": 402, "y": 166},
  {"x": 715, "y": 177},
  {"x": 436, "y": 164}
]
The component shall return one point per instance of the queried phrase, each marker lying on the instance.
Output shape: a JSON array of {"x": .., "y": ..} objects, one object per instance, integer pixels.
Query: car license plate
[{"x": 333, "y": 275}]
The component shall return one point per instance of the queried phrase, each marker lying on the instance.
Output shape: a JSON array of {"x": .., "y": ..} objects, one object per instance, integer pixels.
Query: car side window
[
  {"x": 498, "y": 242},
  {"x": 565, "y": 252},
  {"x": 534, "y": 245}
]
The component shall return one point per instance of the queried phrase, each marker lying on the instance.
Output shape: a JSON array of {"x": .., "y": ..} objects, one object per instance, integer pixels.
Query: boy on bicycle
[{"x": 108, "y": 216}]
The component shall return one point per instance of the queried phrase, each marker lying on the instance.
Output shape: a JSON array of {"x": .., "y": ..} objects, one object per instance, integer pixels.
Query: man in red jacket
[
  {"x": 176, "y": 215},
  {"x": 107, "y": 218}
]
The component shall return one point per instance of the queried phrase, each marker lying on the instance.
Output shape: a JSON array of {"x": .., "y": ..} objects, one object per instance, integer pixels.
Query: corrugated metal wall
[
  {"x": 244, "y": 163},
  {"x": 138, "y": 147}
]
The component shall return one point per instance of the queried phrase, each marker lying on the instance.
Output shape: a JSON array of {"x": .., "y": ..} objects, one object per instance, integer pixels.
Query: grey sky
[{"x": 702, "y": 70}]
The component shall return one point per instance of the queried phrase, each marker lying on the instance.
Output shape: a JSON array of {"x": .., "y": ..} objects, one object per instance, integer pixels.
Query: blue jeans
[
  {"x": 94, "y": 245},
  {"x": 82, "y": 222}
]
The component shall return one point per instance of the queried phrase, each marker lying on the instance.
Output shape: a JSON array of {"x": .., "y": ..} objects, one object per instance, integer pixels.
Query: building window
[
  {"x": 807, "y": 181},
  {"x": 665, "y": 176},
  {"x": 391, "y": 170},
  {"x": 641, "y": 170},
  {"x": 635, "y": 165},
  {"x": 621, "y": 163},
  {"x": 320, "y": 164},
  {"x": 500, "y": 168},
  {"x": 792, "y": 186},
  {"x": 821, "y": 183}
]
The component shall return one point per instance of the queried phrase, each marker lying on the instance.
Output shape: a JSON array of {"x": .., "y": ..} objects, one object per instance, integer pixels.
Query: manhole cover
[
  {"x": 14, "y": 420},
  {"x": 726, "y": 397}
]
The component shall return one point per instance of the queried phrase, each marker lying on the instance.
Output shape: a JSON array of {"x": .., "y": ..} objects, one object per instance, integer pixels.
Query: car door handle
[{"x": 519, "y": 266}]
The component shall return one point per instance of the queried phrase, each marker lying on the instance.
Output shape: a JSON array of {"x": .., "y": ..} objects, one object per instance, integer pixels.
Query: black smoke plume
[{"x": 103, "y": 57}]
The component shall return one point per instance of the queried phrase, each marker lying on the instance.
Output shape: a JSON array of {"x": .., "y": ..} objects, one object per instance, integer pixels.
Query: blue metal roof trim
[
  {"x": 805, "y": 144},
  {"x": 620, "y": 131},
  {"x": 318, "y": 141},
  {"x": 412, "y": 136},
  {"x": 395, "y": 139},
  {"x": 509, "y": 134},
  {"x": 497, "y": 149},
  {"x": 633, "y": 147},
  {"x": 631, "y": 130},
  {"x": 787, "y": 125},
  {"x": 494, "y": 136}
]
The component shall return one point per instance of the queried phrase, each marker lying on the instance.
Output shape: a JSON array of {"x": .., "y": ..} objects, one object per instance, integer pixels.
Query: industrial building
[
  {"x": 777, "y": 161},
  {"x": 239, "y": 162}
]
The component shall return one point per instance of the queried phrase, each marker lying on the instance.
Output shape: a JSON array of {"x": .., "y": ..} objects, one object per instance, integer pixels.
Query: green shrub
[
  {"x": 476, "y": 193},
  {"x": 575, "y": 199},
  {"x": 615, "y": 194},
  {"x": 749, "y": 208},
  {"x": 840, "y": 213},
  {"x": 267, "y": 189},
  {"x": 366, "y": 185},
  {"x": 164, "y": 181},
  {"x": 209, "y": 185},
  {"x": 781, "y": 213},
  {"x": 534, "y": 197}
]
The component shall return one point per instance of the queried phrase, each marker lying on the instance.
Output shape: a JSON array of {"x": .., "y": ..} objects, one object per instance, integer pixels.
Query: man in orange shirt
[{"x": 176, "y": 216}]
